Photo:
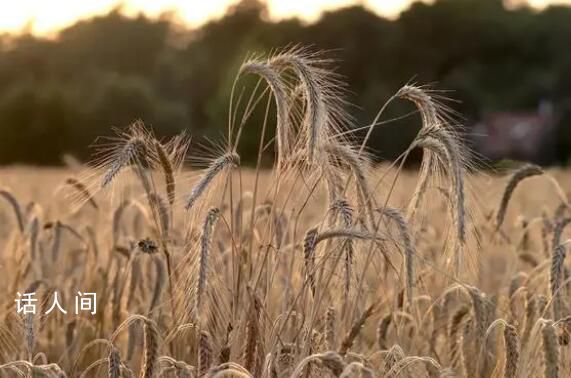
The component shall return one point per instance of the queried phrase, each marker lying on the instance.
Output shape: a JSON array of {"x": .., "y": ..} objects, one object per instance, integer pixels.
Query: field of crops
[{"x": 324, "y": 266}]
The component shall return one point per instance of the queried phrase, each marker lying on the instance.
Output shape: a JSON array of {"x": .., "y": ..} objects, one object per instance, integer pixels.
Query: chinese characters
[{"x": 84, "y": 303}]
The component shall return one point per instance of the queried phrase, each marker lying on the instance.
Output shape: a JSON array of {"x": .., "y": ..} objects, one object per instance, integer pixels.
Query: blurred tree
[
  {"x": 58, "y": 94},
  {"x": 35, "y": 124}
]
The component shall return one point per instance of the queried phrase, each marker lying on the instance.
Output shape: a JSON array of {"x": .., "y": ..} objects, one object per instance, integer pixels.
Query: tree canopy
[{"x": 57, "y": 95}]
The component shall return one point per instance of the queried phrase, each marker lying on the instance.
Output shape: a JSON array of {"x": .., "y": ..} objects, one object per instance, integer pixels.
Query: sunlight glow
[{"x": 46, "y": 17}]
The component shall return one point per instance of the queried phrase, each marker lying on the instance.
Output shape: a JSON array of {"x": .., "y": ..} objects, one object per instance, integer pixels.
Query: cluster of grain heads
[
  {"x": 434, "y": 114},
  {"x": 317, "y": 106},
  {"x": 443, "y": 151},
  {"x": 296, "y": 291}
]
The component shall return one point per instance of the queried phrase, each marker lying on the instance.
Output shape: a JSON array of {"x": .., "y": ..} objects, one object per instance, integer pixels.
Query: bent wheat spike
[
  {"x": 216, "y": 167},
  {"x": 517, "y": 177},
  {"x": 133, "y": 150},
  {"x": 316, "y": 119},
  {"x": 282, "y": 128}
]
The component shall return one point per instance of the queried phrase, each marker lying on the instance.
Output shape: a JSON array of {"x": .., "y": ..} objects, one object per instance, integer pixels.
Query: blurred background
[{"x": 71, "y": 70}]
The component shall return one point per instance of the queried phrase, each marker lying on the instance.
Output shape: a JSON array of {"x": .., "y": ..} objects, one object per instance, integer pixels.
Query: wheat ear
[
  {"x": 252, "y": 335},
  {"x": 150, "y": 359},
  {"x": 309, "y": 244},
  {"x": 331, "y": 360},
  {"x": 555, "y": 279},
  {"x": 82, "y": 191},
  {"x": 395, "y": 216},
  {"x": 433, "y": 114},
  {"x": 205, "y": 242},
  {"x": 382, "y": 329},
  {"x": 4, "y": 193},
  {"x": 114, "y": 370},
  {"x": 134, "y": 149},
  {"x": 511, "y": 341},
  {"x": 218, "y": 165},
  {"x": 345, "y": 212},
  {"x": 445, "y": 146},
  {"x": 355, "y": 330},
  {"x": 455, "y": 349},
  {"x": 271, "y": 76},
  {"x": 204, "y": 353},
  {"x": 558, "y": 231},
  {"x": 518, "y": 176},
  {"x": 330, "y": 328},
  {"x": 168, "y": 171},
  {"x": 348, "y": 156},
  {"x": 316, "y": 108}
]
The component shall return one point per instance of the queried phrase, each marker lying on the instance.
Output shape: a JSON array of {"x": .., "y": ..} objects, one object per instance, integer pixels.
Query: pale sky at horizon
[{"x": 46, "y": 17}]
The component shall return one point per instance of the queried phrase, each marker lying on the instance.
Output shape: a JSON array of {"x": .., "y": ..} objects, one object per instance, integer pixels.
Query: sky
[{"x": 44, "y": 17}]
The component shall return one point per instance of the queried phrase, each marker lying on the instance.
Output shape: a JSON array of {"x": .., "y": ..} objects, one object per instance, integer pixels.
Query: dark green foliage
[{"x": 57, "y": 95}]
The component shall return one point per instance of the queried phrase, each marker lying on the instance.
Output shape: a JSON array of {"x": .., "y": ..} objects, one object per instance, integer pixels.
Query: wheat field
[{"x": 322, "y": 266}]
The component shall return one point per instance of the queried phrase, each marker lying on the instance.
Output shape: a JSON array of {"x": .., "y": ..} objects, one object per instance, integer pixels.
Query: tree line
[{"x": 58, "y": 94}]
